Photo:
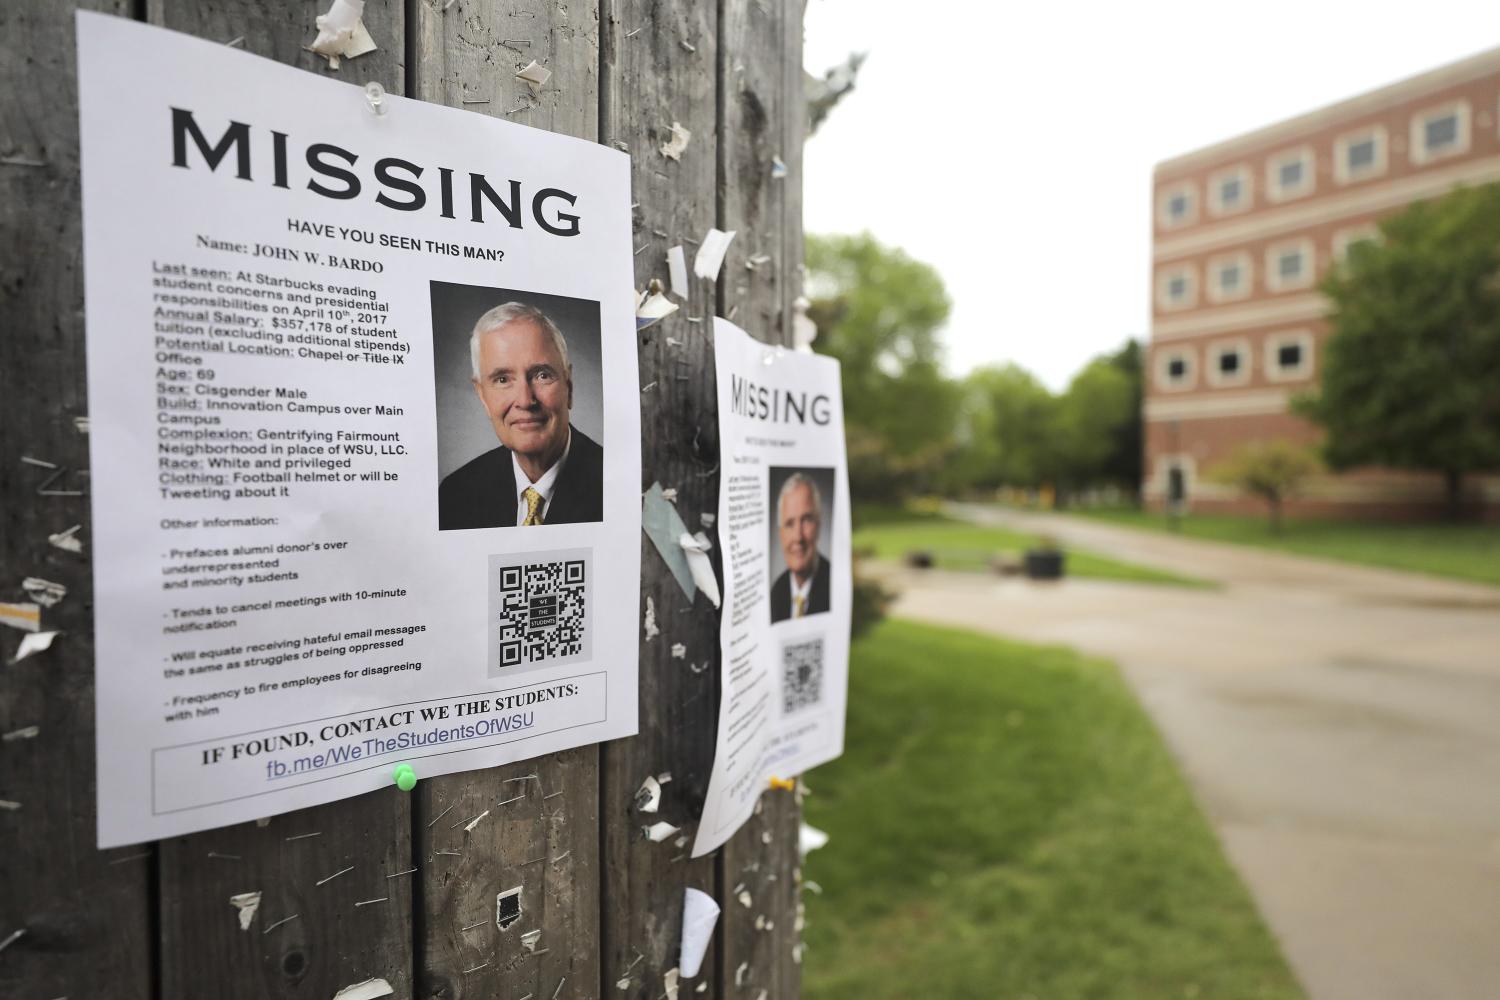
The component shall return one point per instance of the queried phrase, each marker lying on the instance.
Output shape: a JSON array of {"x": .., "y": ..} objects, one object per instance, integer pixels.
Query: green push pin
[{"x": 405, "y": 777}]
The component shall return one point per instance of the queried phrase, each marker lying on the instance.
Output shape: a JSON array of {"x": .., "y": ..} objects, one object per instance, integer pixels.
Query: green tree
[
  {"x": 879, "y": 311},
  {"x": 1004, "y": 431},
  {"x": 1411, "y": 373},
  {"x": 1097, "y": 417},
  {"x": 1271, "y": 470}
]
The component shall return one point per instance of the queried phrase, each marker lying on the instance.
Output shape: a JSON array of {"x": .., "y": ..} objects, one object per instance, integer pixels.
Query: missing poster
[
  {"x": 784, "y": 527},
  {"x": 365, "y": 435}
]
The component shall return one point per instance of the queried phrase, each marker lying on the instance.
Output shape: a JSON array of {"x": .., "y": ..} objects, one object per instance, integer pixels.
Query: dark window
[
  {"x": 1289, "y": 265},
  {"x": 1229, "y": 192},
  {"x": 1289, "y": 356},
  {"x": 1177, "y": 287},
  {"x": 1290, "y": 173},
  {"x": 1177, "y": 368},
  {"x": 1440, "y": 132},
  {"x": 1177, "y": 207},
  {"x": 1229, "y": 277},
  {"x": 1361, "y": 155},
  {"x": 1229, "y": 362}
]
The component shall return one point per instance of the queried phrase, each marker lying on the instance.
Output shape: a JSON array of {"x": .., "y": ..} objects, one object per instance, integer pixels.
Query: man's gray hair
[
  {"x": 792, "y": 482},
  {"x": 509, "y": 313}
]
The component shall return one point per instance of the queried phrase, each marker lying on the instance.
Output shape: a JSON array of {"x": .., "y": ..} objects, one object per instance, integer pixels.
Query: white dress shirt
[{"x": 544, "y": 485}]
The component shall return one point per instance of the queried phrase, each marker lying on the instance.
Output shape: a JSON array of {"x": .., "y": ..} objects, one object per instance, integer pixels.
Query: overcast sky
[{"x": 1011, "y": 145}]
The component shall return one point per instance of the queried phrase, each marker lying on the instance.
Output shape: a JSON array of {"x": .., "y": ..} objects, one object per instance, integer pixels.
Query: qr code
[
  {"x": 801, "y": 674},
  {"x": 541, "y": 611}
]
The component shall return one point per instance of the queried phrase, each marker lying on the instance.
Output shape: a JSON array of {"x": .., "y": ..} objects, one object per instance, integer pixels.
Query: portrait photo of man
[
  {"x": 803, "y": 587},
  {"x": 544, "y": 469}
]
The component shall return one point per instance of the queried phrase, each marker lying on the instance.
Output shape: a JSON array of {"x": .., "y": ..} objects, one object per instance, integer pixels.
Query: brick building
[{"x": 1243, "y": 232}]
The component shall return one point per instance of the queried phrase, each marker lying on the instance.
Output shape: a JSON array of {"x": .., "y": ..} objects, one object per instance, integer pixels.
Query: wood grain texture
[
  {"x": 86, "y": 918},
  {"x": 762, "y": 41},
  {"x": 467, "y": 56},
  {"x": 660, "y": 67},
  {"x": 332, "y": 943}
]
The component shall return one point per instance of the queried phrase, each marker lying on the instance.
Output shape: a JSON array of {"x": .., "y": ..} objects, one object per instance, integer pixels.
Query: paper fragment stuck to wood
[
  {"x": 699, "y": 914},
  {"x": 660, "y": 831},
  {"x": 341, "y": 33},
  {"x": 26, "y": 617},
  {"x": 710, "y": 257},
  {"x": 648, "y": 796},
  {"x": 535, "y": 73},
  {"x": 652, "y": 306},
  {"x": 696, "y": 547},
  {"x": 33, "y": 643},
  {"x": 44, "y": 592},
  {"x": 663, "y": 525},
  {"x": 677, "y": 272},
  {"x": 246, "y": 903},
  {"x": 673, "y": 147},
  {"x": 369, "y": 989}
]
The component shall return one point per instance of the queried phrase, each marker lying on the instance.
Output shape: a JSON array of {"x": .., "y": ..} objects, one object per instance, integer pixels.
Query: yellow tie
[
  {"x": 533, "y": 506},
  {"x": 800, "y": 603}
]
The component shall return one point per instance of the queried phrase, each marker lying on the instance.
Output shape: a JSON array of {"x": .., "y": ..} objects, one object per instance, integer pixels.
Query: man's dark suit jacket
[
  {"x": 818, "y": 599},
  {"x": 482, "y": 493}
]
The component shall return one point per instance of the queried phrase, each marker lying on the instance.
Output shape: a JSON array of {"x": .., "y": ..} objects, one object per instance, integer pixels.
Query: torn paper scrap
[
  {"x": 369, "y": 989},
  {"x": 664, "y": 777},
  {"x": 68, "y": 540},
  {"x": 81, "y": 424},
  {"x": 530, "y": 938},
  {"x": 679, "y": 651},
  {"x": 669, "y": 983},
  {"x": 507, "y": 907},
  {"x": 26, "y": 617},
  {"x": 648, "y": 796},
  {"x": 699, "y": 914},
  {"x": 24, "y": 733},
  {"x": 660, "y": 831},
  {"x": 34, "y": 643},
  {"x": 649, "y": 625},
  {"x": 711, "y": 253},
  {"x": 535, "y": 73},
  {"x": 673, "y": 147},
  {"x": 810, "y": 838},
  {"x": 652, "y": 306},
  {"x": 677, "y": 272},
  {"x": 745, "y": 900},
  {"x": 341, "y": 33},
  {"x": 696, "y": 547},
  {"x": 663, "y": 525},
  {"x": 44, "y": 592},
  {"x": 804, "y": 330},
  {"x": 247, "y": 903},
  {"x": 778, "y": 169}
]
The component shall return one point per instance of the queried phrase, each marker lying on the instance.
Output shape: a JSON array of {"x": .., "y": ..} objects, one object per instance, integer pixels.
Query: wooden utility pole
[{"x": 155, "y": 921}]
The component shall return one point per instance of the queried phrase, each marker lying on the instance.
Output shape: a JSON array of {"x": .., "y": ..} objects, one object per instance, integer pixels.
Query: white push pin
[{"x": 375, "y": 96}]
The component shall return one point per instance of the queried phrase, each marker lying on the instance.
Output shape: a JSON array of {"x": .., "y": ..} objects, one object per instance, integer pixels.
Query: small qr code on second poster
[
  {"x": 539, "y": 609},
  {"x": 801, "y": 674}
]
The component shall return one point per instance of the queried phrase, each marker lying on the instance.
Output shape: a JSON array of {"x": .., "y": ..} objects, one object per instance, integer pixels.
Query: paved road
[{"x": 1341, "y": 726}]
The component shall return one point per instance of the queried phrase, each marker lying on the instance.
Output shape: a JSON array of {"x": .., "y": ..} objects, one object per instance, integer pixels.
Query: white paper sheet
[
  {"x": 784, "y": 532},
  {"x": 308, "y": 559}
]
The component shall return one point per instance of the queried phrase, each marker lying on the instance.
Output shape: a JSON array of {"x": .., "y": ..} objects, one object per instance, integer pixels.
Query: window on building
[
  {"x": 1229, "y": 191},
  {"x": 1229, "y": 362},
  {"x": 1176, "y": 206},
  {"x": 1358, "y": 155},
  {"x": 1229, "y": 277},
  {"x": 1290, "y": 174},
  {"x": 1175, "y": 288},
  {"x": 1439, "y": 132},
  {"x": 1175, "y": 369},
  {"x": 1289, "y": 355},
  {"x": 1289, "y": 265}
]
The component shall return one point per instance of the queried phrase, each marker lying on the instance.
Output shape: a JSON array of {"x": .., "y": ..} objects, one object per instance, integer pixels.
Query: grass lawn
[
  {"x": 893, "y": 532},
  {"x": 1007, "y": 824},
  {"x": 1462, "y": 551}
]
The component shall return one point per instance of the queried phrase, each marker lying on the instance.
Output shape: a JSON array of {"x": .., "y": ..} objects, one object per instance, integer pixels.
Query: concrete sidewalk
[{"x": 1341, "y": 727}]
